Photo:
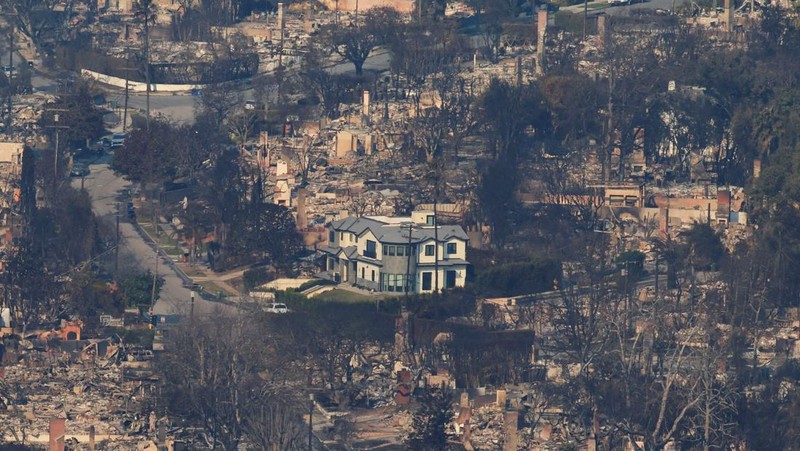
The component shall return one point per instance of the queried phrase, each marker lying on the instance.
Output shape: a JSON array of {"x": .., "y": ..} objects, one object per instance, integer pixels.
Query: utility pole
[
  {"x": 116, "y": 250},
  {"x": 10, "y": 63},
  {"x": 281, "y": 22},
  {"x": 406, "y": 285},
  {"x": 155, "y": 244},
  {"x": 55, "y": 152},
  {"x": 127, "y": 90},
  {"x": 10, "y": 71},
  {"x": 386, "y": 99},
  {"x": 155, "y": 277},
  {"x": 310, "y": 420},
  {"x": 191, "y": 309}
]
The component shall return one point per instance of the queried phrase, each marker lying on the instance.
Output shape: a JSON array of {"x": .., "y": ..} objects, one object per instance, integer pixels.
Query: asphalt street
[{"x": 105, "y": 189}]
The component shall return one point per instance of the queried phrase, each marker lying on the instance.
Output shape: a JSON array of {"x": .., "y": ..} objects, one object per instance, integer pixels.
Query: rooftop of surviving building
[{"x": 396, "y": 229}]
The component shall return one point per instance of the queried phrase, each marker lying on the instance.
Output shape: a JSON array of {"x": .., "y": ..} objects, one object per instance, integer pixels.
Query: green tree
[
  {"x": 137, "y": 289},
  {"x": 705, "y": 247},
  {"x": 152, "y": 156}
]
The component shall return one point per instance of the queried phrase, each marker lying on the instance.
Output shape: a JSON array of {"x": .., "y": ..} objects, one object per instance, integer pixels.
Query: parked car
[
  {"x": 276, "y": 308},
  {"x": 118, "y": 139}
]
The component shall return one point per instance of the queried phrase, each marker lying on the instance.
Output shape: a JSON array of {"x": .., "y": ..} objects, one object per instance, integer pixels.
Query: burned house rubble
[
  {"x": 97, "y": 391},
  {"x": 521, "y": 242}
]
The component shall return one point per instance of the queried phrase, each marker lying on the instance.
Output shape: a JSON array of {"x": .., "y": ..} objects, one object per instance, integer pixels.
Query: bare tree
[
  {"x": 306, "y": 154},
  {"x": 241, "y": 125},
  {"x": 222, "y": 375},
  {"x": 218, "y": 100},
  {"x": 329, "y": 88},
  {"x": 356, "y": 41},
  {"x": 36, "y": 19}
]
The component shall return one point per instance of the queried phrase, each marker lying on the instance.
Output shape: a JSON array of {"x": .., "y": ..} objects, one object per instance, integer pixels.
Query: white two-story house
[{"x": 393, "y": 254}]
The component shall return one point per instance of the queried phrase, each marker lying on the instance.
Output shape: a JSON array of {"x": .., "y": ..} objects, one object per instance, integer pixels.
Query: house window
[
  {"x": 331, "y": 237},
  {"x": 401, "y": 251},
  {"x": 429, "y": 250},
  {"x": 373, "y": 275},
  {"x": 362, "y": 273},
  {"x": 430, "y": 220},
  {"x": 450, "y": 279},
  {"x": 370, "y": 250},
  {"x": 393, "y": 282},
  {"x": 390, "y": 250},
  {"x": 452, "y": 248},
  {"x": 426, "y": 281},
  {"x": 341, "y": 236}
]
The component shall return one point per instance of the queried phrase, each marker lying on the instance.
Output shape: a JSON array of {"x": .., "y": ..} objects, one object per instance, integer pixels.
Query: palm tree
[{"x": 146, "y": 12}]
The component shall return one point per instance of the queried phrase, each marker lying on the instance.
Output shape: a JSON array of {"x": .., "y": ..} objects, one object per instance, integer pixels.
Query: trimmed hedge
[{"x": 511, "y": 279}]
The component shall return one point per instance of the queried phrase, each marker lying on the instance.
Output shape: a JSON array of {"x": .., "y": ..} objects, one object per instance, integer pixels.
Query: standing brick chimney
[
  {"x": 510, "y": 430},
  {"x": 541, "y": 31},
  {"x": 728, "y": 15},
  {"x": 57, "y": 431}
]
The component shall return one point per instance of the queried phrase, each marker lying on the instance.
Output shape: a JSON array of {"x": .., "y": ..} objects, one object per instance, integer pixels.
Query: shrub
[{"x": 533, "y": 276}]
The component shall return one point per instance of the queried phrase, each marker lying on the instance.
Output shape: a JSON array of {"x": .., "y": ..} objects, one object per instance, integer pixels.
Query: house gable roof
[{"x": 396, "y": 232}]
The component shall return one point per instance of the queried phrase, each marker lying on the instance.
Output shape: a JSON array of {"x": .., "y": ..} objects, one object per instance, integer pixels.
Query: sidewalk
[
  {"x": 200, "y": 273},
  {"x": 195, "y": 274}
]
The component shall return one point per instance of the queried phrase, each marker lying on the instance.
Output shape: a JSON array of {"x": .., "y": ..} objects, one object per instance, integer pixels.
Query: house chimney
[
  {"x": 500, "y": 398},
  {"x": 541, "y": 29},
  {"x": 365, "y": 110},
  {"x": 161, "y": 436},
  {"x": 601, "y": 30},
  {"x": 307, "y": 18},
  {"x": 728, "y": 15},
  {"x": 57, "y": 432},
  {"x": 510, "y": 432}
]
